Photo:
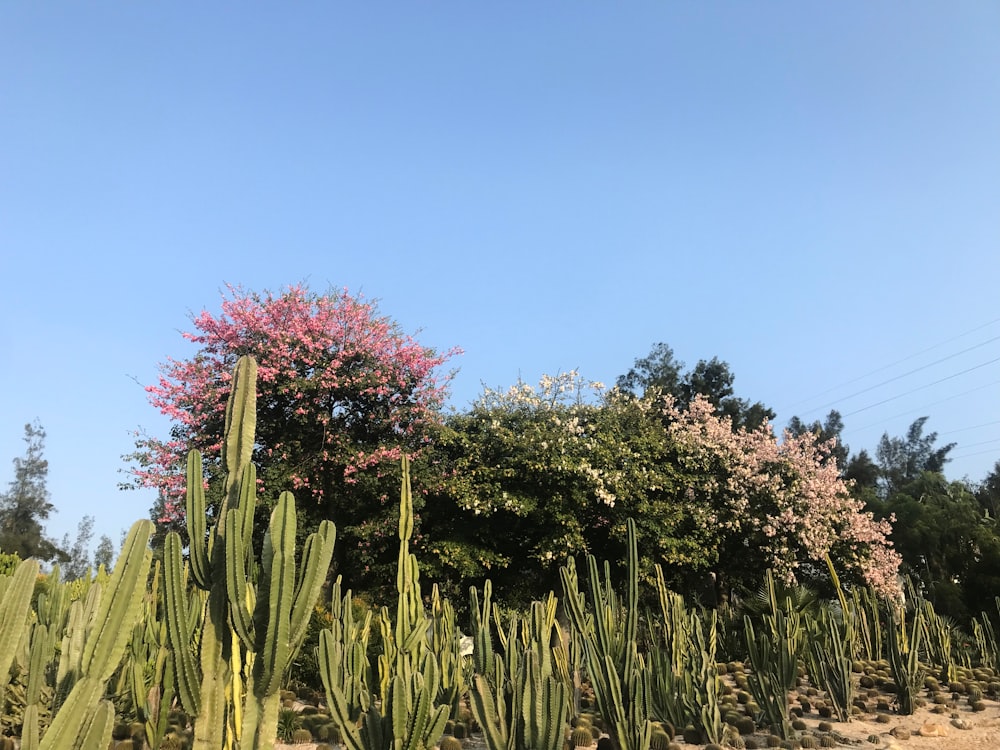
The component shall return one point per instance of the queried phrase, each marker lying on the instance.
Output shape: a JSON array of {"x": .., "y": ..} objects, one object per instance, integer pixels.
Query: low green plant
[{"x": 288, "y": 722}]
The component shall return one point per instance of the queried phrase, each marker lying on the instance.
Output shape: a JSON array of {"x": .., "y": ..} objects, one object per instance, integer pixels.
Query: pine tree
[{"x": 25, "y": 504}]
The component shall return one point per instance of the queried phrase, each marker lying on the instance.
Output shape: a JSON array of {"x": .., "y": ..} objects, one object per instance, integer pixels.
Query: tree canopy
[
  {"x": 26, "y": 504},
  {"x": 561, "y": 467},
  {"x": 712, "y": 379},
  {"x": 342, "y": 392}
]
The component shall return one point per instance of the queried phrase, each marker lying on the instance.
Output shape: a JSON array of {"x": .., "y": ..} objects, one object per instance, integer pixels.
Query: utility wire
[
  {"x": 924, "y": 408},
  {"x": 903, "y": 375},
  {"x": 891, "y": 364},
  {"x": 974, "y": 427},
  {"x": 920, "y": 388}
]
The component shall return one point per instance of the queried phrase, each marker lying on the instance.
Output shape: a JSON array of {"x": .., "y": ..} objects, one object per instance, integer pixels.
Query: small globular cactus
[{"x": 582, "y": 737}]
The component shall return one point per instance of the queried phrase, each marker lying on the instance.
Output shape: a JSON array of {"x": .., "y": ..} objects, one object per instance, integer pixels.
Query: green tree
[
  {"x": 26, "y": 503},
  {"x": 78, "y": 551},
  {"x": 712, "y": 379},
  {"x": 342, "y": 394},
  {"x": 533, "y": 475},
  {"x": 105, "y": 553},
  {"x": 988, "y": 492},
  {"x": 902, "y": 460},
  {"x": 948, "y": 543}
]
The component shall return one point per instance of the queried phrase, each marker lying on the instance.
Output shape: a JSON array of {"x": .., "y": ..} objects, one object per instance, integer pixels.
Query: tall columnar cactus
[
  {"x": 446, "y": 646},
  {"x": 682, "y": 653},
  {"x": 617, "y": 670},
  {"x": 774, "y": 654},
  {"x": 77, "y": 724},
  {"x": 15, "y": 614},
  {"x": 343, "y": 657},
  {"x": 903, "y": 649},
  {"x": 409, "y": 677},
  {"x": 832, "y": 642},
  {"x": 986, "y": 640},
  {"x": 830, "y": 650},
  {"x": 523, "y": 704},
  {"x": 248, "y": 637},
  {"x": 937, "y": 637}
]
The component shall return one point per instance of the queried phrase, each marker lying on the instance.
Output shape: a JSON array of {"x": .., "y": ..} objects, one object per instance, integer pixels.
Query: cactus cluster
[{"x": 193, "y": 653}]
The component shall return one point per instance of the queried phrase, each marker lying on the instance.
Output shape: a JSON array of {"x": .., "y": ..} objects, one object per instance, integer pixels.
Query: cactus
[
  {"x": 774, "y": 657},
  {"x": 248, "y": 637},
  {"x": 114, "y": 617},
  {"x": 527, "y": 711},
  {"x": 829, "y": 651},
  {"x": 409, "y": 676},
  {"x": 682, "y": 650},
  {"x": 617, "y": 670},
  {"x": 15, "y": 611},
  {"x": 903, "y": 648}
]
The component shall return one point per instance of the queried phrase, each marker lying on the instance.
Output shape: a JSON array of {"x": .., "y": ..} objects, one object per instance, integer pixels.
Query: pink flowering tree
[
  {"x": 779, "y": 505},
  {"x": 342, "y": 392}
]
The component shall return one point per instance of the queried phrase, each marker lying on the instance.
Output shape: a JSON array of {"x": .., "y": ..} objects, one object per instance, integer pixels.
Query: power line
[
  {"x": 919, "y": 388},
  {"x": 924, "y": 408},
  {"x": 974, "y": 427},
  {"x": 905, "y": 374},
  {"x": 983, "y": 442},
  {"x": 890, "y": 365}
]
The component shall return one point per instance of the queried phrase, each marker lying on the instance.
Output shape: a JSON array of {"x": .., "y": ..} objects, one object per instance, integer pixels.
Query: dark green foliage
[
  {"x": 26, "y": 504},
  {"x": 661, "y": 372},
  {"x": 902, "y": 460}
]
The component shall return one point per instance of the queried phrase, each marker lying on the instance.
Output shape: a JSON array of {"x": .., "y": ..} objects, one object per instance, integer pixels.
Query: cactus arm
[
  {"x": 236, "y": 578},
  {"x": 195, "y": 515},
  {"x": 98, "y": 734},
  {"x": 241, "y": 422},
  {"x": 484, "y": 710},
  {"x": 15, "y": 609},
  {"x": 339, "y": 710},
  {"x": 280, "y": 573},
  {"x": 120, "y": 605},
  {"x": 29, "y": 727},
  {"x": 316, "y": 557},
  {"x": 177, "y": 621}
]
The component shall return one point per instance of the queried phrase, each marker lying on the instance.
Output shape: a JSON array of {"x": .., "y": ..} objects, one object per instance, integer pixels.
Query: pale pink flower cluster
[
  {"x": 784, "y": 497},
  {"x": 330, "y": 361}
]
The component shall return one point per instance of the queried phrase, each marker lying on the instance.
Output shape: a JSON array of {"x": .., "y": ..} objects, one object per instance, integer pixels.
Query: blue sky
[{"x": 808, "y": 191}]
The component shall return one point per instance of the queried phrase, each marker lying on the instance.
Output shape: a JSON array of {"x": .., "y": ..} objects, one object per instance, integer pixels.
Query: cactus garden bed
[{"x": 961, "y": 715}]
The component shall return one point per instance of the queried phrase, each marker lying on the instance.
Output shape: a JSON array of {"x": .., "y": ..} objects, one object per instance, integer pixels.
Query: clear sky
[{"x": 809, "y": 191}]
